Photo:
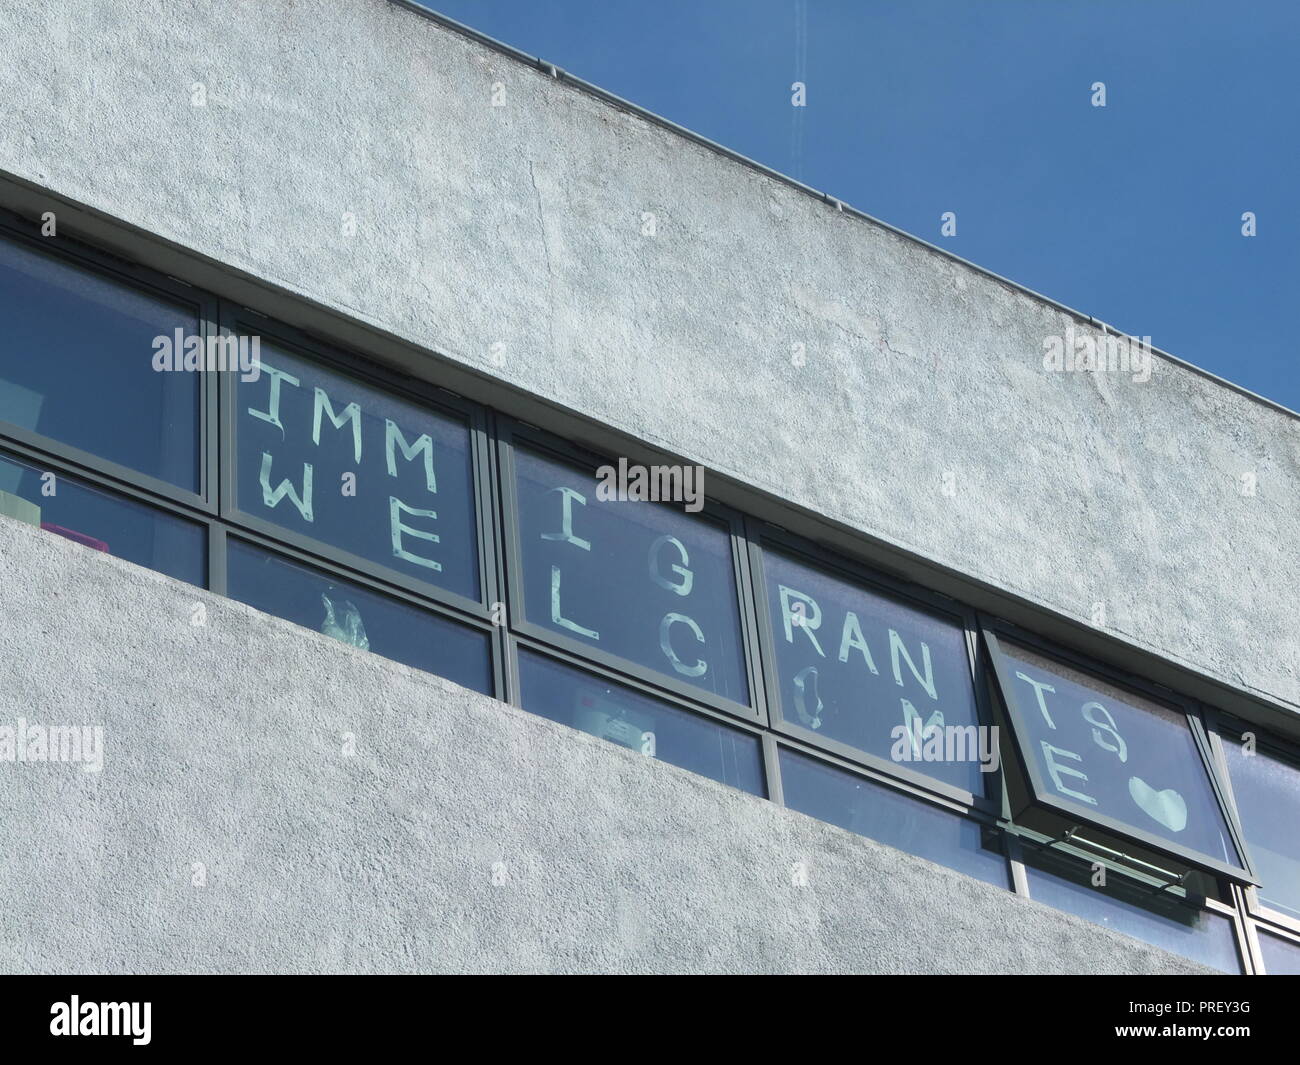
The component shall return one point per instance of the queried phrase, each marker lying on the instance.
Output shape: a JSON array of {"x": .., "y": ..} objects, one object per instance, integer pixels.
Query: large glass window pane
[
  {"x": 869, "y": 671},
  {"x": 890, "y": 817},
  {"x": 1265, "y": 787},
  {"x": 651, "y": 726},
  {"x": 355, "y": 615},
  {"x": 1281, "y": 956},
  {"x": 104, "y": 521},
  {"x": 1157, "y": 917},
  {"x": 331, "y": 458},
  {"x": 77, "y": 365},
  {"x": 644, "y": 581},
  {"x": 1111, "y": 756}
]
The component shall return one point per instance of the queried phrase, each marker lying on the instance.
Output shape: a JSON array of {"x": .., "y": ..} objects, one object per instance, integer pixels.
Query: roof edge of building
[{"x": 604, "y": 95}]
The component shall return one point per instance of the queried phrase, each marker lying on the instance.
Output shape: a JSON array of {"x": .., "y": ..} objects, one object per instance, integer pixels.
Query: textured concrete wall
[
  {"x": 223, "y": 747},
  {"x": 521, "y": 226}
]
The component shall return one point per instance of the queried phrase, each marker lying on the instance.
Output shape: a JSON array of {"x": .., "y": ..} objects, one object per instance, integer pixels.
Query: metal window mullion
[
  {"x": 492, "y": 537},
  {"x": 772, "y": 768},
  {"x": 1015, "y": 849},
  {"x": 217, "y": 568},
  {"x": 748, "y": 593},
  {"x": 1247, "y": 936}
]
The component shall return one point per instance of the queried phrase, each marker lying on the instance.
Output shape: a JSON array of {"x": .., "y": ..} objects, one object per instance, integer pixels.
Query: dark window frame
[
  {"x": 1112, "y": 827},
  {"x": 987, "y": 819},
  {"x": 222, "y": 535},
  {"x": 1218, "y": 725},
  {"x": 1257, "y": 932},
  {"x": 517, "y": 641},
  {"x": 80, "y": 256},
  {"x": 1021, "y": 840},
  {"x": 512, "y": 433},
  {"x": 440, "y": 401},
  {"x": 94, "y": 479},
  {"x": 757, "y": 534}
]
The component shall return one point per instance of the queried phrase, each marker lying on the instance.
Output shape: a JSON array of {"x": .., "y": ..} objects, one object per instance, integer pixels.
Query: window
[
  {"x": 871, "y": 674},
  {"x": 650, "y": 726},
  {"x": 328, "y": 459},
  {"x": 354, "y": 615},
  {"x": 1281, "y": 956},
  {"x": 363, "y": 506},
  {"x": 1263, "y": 785},
  {"x": 77, "y": 367},
  {"x": 634, "y": 581},
  {"x": 1157, "y": 917},
  {"x": 888, "y": 816},
  {"x": 103, "y": 521},
  {"x": 1107, "y": 756}
]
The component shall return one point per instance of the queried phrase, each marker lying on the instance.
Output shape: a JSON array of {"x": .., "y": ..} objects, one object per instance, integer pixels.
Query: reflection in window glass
[
  {"x": 1262, "y": 786},
  {"x": 1105, "y": 750},
  {"x": 104, "y": 521},
  {"x": 357, "y": 616},
  {"x": 890, "y": 817},
  {"x": 76, "y": 365},
  {"x": 1281, "y": 956},
  {"x": 644, "y": 581},
  {"x": 409, "y": 502},
  {"x": 640, "y": 723},
  {"x": 1157, "y": 917},
  {"x": 868, "y": 671}
]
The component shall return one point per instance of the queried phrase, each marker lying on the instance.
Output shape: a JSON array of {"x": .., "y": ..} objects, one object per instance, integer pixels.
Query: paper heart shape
[{"x": 1166, "y": 806}]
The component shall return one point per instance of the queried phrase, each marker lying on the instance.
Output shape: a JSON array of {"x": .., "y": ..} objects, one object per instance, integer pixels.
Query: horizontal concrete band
[
  {"x": 515, "y": 225},
  {"x": 229, "y": 832}
]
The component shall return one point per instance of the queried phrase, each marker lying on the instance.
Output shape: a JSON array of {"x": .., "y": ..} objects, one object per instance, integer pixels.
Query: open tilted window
[{"x": 1124, "y": 772}]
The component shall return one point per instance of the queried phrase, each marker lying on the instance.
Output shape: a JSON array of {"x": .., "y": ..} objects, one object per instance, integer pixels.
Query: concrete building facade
[{"x": 384, "y": 682}]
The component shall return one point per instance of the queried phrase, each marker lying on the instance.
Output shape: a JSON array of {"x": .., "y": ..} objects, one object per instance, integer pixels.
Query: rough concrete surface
[
  {"x": 522, "y": 226},
  {"x": 224, "y": 750}
]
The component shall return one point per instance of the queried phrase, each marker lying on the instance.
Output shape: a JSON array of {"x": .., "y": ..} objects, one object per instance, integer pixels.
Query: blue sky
[{"x": 1130, "y": 213}]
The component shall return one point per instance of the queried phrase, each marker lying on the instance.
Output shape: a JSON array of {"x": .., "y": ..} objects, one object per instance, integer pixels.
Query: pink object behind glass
[{"x": 81, "y": 538}]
